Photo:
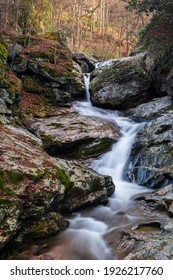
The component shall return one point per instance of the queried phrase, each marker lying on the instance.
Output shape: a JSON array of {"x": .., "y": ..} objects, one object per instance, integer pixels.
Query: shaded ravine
[{"x": 92, "y": 232}]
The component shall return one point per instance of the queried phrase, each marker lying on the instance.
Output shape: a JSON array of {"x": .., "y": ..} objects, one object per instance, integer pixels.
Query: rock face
[
  {"x": 151, "y": 161},
  {"x": 10, "y": 85},
  {"x": 74, "y": 136},
  {"x": 159, "y": 67},
  {"x": 152, "y": 109},
  {"x": 122, "y": 85},
  {"x": 37, "y": 190},
  {"x": 48, "y": 64},
  {"x": 152, "y": 239},
  {"x": 33, "y": 184},
  {"x": 85, "y": 63}
]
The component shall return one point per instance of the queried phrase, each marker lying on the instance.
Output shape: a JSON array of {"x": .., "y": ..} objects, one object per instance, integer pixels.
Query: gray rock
[
  {"x": 85, "y": 63},
  {"x": 33, "y": 184},
  {"x": 151, "y": 160},
  {"x": 121, "y": 86},
  {"x": 49, "y": 225},
  {"x": 74, "y": 136},
  {"x": 4, "y": 95},
  {"x": 19, "y": 65},
  {"x": 14, "y": 50},
  {"x": 58, "y": 97},
  {"x": 169, "y": 83},
  {"x": 3, "y": 108},
  {"x": 152, "y": 109}
]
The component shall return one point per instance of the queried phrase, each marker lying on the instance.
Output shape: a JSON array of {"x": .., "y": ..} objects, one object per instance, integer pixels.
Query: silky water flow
[{"x": 91, "y": 232}]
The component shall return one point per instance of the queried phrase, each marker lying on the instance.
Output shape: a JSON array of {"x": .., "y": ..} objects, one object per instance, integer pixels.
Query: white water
[
  {"x": 86, "y": 237},
  {"x": 87, "y": 83},
  {"x": 86, "y": 233}
]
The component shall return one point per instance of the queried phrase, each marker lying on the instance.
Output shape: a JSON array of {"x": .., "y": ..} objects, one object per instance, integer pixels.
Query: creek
[{"x": 94, "y": 233}]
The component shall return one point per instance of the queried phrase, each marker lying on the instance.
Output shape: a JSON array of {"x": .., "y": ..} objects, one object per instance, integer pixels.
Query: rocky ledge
[
  {"x": 121, "y": 85},
  {"x": 74, "y": 136},
  {"x": 33, "y": 184},
  {"x": 38, "y": 130}
]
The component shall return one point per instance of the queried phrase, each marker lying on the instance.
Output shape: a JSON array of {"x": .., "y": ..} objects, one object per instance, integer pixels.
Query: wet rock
[
  {"x": 74, "y": 136},
  {"x": 151, "y": 237},
  {"x": 102, "y": 66},
  {"x": 121, "y": 86},
  {"x": 152, "y": 109},
  {"x": 151, "y": 160},
  {"x": 88, "y": 191},
  {"x": 148, "y": 254},
  {"x": 170, "y": 210}
]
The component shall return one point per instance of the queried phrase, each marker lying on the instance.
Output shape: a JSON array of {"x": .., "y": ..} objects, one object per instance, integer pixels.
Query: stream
[{"x": 94, "y": 233}]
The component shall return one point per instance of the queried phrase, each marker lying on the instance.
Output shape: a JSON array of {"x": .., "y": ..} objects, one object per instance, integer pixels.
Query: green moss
[
  {"x": 120, "y": 72},
  {"x": 1, "y": 179},
  {"x": 7, "y": 202},
  {"x": 34, "y": 142},
  {"x": 37, "y": 174},
  {"x": 9, "y": 176},
  {"x": 91, "y": 148},
  {"x": 56, "y": 125},
  {"x": 37, "y": 227},
  {"x": 14, "y": 177},
  {"x": 63, "y": 177},
  {"x": 32, "y": 84},
  {"x": 3, "y": 53},
  {"x": 48, "y": 139},
  {"x": 56, "y": 36}
]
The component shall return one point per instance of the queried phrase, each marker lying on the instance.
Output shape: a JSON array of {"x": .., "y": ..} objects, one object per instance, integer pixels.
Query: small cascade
[
  {"x": 89, "y": 231},
  {"x": 87, "y": 83}
]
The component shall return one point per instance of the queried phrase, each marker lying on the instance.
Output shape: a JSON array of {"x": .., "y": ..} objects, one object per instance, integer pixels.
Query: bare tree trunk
[{"x": 17, "y": 13}]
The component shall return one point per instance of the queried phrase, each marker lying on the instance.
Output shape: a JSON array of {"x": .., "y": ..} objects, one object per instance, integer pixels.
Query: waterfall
[
  {"x": 89, "y": 231},
  {"x": 87, "y": 83}
]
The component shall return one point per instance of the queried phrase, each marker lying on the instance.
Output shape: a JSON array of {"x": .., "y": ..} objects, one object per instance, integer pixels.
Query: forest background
[{"x": 103, "y": 28}]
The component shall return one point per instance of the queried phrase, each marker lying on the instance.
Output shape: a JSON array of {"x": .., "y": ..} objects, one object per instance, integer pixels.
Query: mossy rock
[
  {"x": 8, "y": 177},
  {"x": 63, "y": 177},
  {"x": 32, "y": 84},
  {"x": 3, "y": 55},
  {"x": 3, "y": 52},
  {"x": 47, "y": 226},
  {"x": 123, "y": 85}
]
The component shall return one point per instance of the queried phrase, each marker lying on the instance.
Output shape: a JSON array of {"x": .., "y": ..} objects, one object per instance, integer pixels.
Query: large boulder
[
  {"x": 151, "y": 160},
  {"x": 121, "y": 85},
  {"x": 32, "y": 184},
  {"x": 74, "y": 136},
  {"x": 49, "y": 60}
]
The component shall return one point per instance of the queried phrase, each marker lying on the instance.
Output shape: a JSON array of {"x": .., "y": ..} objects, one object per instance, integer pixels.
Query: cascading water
[
  {"x": 88, "y": 234},
  {"x": 87, "y": 83}
]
